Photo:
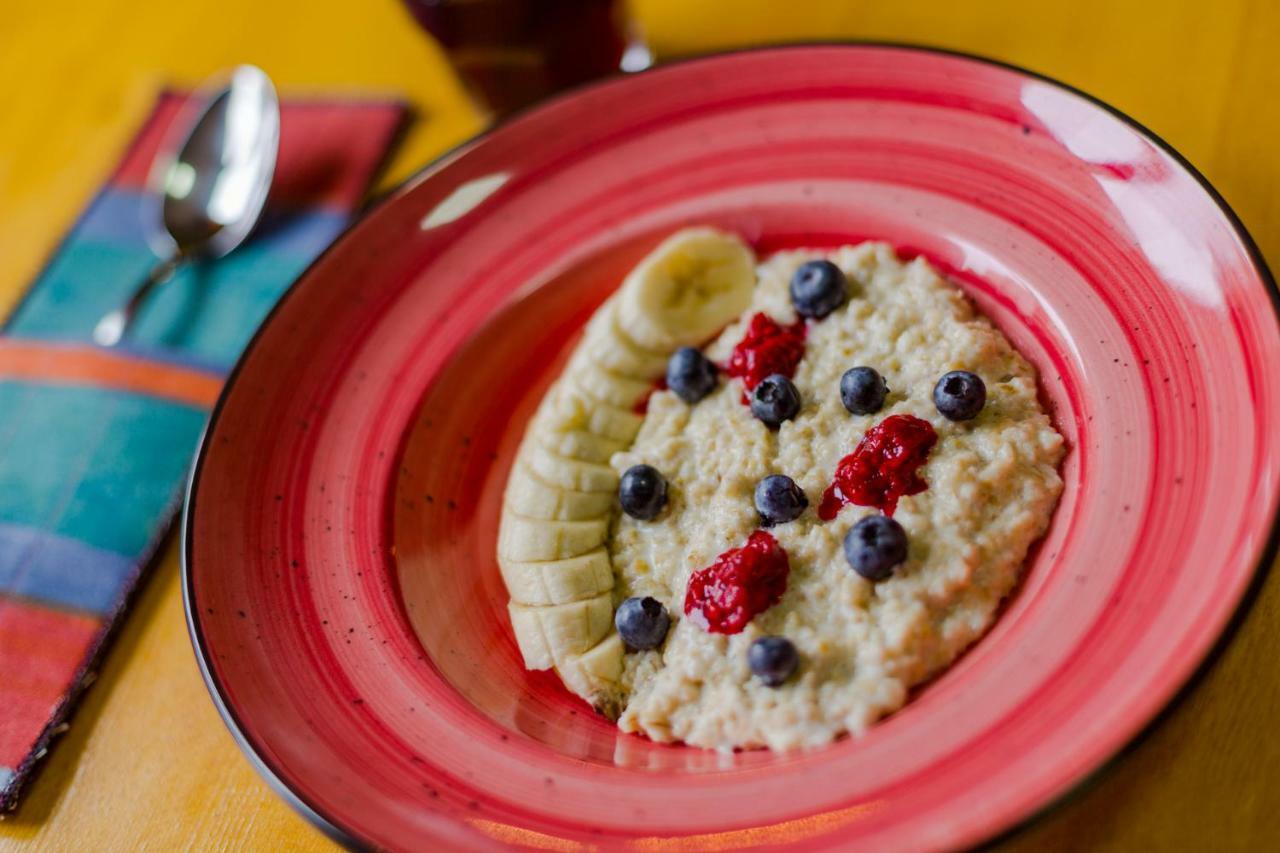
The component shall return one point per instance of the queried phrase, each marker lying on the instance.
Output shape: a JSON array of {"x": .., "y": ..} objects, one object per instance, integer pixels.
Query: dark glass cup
[{"x": 511, "y": 53}]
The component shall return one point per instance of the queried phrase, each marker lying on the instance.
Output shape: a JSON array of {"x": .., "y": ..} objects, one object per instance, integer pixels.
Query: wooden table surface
[{"x": 148, "y": 765}]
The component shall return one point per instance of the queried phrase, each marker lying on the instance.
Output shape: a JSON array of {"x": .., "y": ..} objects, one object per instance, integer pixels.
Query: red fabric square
[{"x": 40, "y": 652}]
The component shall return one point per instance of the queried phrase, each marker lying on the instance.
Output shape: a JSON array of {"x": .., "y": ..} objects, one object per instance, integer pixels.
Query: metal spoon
[{"x": 210, "y": 188}]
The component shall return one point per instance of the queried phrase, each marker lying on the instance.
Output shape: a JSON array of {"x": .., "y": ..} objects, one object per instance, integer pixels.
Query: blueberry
[
  {"x": 862, "y": 390},
  {"x": 960, "y": 395},
  {"x": 642, "y": 622},
  {"x": 775, "y": 400},
  {"x": 779, "y": 499},
  {"x": 875, "y": 546},
  {"x": 773, "y": 659},
  {"x": 817, "y": 289},
  {"x": 690, "y": 374},
  {"x": 642, "y": 491}
]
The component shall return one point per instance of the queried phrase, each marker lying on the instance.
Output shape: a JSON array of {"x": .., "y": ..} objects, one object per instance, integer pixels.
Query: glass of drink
[{"x": 511, "y": 53}]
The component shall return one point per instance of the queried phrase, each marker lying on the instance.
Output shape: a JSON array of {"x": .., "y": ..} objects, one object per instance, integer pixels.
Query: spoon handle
[{"x": 112, "y": 328}]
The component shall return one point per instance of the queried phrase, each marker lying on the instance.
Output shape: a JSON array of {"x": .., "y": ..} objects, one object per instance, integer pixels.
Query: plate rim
[{"x": 333, "y": 828}]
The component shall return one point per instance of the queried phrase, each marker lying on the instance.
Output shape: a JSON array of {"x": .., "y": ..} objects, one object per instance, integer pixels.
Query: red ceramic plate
[{"x": 349, "y": 484}]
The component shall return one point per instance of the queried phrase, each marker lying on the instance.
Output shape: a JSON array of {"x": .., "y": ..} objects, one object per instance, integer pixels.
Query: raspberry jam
[
  {"x": 742, "y": 582},
  {"x": 882, "y": 468},
  {"x": 767, "y": 348}
]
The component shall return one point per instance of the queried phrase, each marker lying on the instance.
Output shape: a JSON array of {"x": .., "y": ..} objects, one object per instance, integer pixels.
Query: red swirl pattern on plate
[{"x": 349, "y": 485}]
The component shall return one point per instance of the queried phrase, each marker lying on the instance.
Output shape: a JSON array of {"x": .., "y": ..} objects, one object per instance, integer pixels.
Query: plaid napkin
[{"x": 95, "y": 443}]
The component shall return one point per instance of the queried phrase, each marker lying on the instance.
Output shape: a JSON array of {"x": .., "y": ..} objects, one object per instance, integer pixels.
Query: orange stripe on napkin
[{"x": 70, "y": 364}]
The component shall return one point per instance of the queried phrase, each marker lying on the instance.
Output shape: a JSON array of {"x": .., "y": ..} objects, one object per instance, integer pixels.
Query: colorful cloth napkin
[{"x": 95, "y": 443}]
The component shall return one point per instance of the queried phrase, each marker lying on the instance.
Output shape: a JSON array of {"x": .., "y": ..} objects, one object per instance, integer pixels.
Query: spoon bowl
[{"x": 209, "y": 188}]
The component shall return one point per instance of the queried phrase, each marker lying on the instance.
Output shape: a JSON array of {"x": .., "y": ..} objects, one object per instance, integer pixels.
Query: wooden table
[{"x": 147, "y": 763}]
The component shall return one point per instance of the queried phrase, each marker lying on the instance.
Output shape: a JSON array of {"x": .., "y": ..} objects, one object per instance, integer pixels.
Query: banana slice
[
  {"x": 610, "y": 388},
  {"x": 688, "y": 288},
  {"x": 558, "y": 581},
  {"x": 579, "y": 444},
  {"x": 609, "y": 348},
  {"x": 594, "y": 674},
  {"x": 535, "y": 540},
  {"x": 572, "y": 474},
  {"x": 546, "y": 635},
  {"x": 530, "y": 496},
  {"x": 574, "y": 406}
]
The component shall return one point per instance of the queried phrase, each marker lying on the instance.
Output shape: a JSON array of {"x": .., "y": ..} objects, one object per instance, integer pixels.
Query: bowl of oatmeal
[{"x": 988, "y": 622}]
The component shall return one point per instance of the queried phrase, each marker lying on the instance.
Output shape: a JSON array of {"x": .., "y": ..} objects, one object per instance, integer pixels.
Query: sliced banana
[
  {"x": 530, "y": 496},
  {"x": 561, "y": 492},
  {"x": 569, "y": 473},
  {"x": 579, "y": 444},
  {"x": 610, "y": 349},
  {"x": 546, "y": 635},
  {"x": 687, "y": 289},
  {"x": 535, "y": 540},
  {"x": 558, "y": 581},
  {"x": 577, "y": 407},
  {"x": 617, "y": 391},
  {"x": 594, "y": 674}
]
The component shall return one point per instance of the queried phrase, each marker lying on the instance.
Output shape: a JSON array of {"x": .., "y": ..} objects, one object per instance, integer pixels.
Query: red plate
[{"x": 349, "y": 484}]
